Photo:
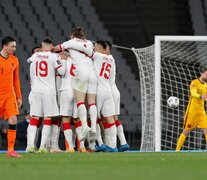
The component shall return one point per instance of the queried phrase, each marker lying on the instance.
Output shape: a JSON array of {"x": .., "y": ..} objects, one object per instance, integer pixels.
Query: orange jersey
[{"x": 9, "y": 76}]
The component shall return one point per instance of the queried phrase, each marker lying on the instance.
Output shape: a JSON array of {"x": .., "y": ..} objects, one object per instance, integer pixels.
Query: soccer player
[
  {"x": 116, "y": 98},
  {"x": 195, "y": 115},
  {"x": 34, "y": 50},
  {"x": 44, "y": 102},
  {"x": 10, "y": 91},
  {"x": 53, "y": 140},
  {"x": 83, "y": 77},
  {"x": 67, "y": 101},
  {"x": 103, "y": 64}
]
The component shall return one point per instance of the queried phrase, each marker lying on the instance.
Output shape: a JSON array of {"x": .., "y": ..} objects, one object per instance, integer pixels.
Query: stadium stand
[
  {"x": 30, "y": 22},
  {"x": 198, "y": 11},
  {"x": 132, "y": 23}
]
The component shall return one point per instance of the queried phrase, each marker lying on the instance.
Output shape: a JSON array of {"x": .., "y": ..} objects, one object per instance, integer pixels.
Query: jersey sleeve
[
  {"x": 193, "y": 90},
  {"x": 17, "y": 81},
  {"x": 31, "y": 73},
  {"x": 58, "y": 81},
  {"x": 86, "y": 47},
  {"x": 59, "y": 65},
  {"x": 96, "y": 56},
  {"x": 112, "y": 75}
]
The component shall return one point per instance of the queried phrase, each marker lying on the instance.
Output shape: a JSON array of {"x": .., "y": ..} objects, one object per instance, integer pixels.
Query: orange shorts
[
  {"x": 193, "y": 120},
  {"x": 8, "y": 106}
]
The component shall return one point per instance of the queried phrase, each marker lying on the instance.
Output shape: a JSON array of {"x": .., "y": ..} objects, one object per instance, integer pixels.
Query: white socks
[
  {"x": 93, "y": 116},
  {"x": 31, "y": 134},
  {"x": 120, "y": 134},
  {"x": 110, "y": 135},
  {"x": 68, "y": 134},
  {"x": 98, "y": 135},
  {"x": 54, "y": 139},
  {"x": 45, "y": 133},
  {"x": 82, "y": 113}
]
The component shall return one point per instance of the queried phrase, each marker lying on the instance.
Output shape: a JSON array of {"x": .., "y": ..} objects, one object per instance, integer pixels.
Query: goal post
[
  {"x": 157, "y": 87},
  {"x": 166, "y": 69}
]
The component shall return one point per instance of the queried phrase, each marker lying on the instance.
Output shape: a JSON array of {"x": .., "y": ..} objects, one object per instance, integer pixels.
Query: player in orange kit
[{"x": 10, "y": 91}]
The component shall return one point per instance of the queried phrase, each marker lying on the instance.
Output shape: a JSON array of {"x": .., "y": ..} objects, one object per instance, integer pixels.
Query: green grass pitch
[{"x": 117, "y": 166}]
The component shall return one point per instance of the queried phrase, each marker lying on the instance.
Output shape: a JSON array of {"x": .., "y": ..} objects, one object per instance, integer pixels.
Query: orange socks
[
  {"x": 11, "y": 137},
  {"x": 66, "y": 146}
]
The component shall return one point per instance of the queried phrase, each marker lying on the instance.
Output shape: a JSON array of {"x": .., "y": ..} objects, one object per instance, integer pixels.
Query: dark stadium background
[{"x": 128, "y": 23}]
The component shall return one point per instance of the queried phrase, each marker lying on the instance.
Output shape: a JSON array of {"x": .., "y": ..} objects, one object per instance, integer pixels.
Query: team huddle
[{"x": 73, "y": 84}]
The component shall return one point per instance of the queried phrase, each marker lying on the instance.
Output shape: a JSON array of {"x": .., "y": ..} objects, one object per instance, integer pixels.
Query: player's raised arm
[
  {"x": 57, "y": 48},
  {"x": 79, "y": 45}
]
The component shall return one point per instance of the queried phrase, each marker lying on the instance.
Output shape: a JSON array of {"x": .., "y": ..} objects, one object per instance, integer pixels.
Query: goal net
[{"x": 166, "y": 69}]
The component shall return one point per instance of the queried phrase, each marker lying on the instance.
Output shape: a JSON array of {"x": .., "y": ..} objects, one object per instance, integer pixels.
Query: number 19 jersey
[{"x": 43, "y": 68}]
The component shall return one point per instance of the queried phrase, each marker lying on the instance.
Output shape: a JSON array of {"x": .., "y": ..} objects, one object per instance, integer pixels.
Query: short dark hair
[
  {"x": 77, "y": 32},
  {"x": 203, "y": 69},
  {"x": 109, "y": 44},
  {"x": 102, "y": 43},
  {"x": 34, "y": 48},
  {"x": 48, "y": 40},
  {"x": 6, "y": 40}
]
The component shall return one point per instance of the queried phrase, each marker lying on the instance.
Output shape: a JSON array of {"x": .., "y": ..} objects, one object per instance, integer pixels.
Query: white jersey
[
  {"x": 66, "y": 79},
  {"x": 114, "y": 89},
  {"x": 104, "y": 65},
  {"x": 80, "y": 51},
  {"x": 43, "y": 67},
  {"x": 113, "y": 74}
]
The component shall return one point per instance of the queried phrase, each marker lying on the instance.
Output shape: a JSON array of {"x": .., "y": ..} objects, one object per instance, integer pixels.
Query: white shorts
[
  {"x": 116, "y": 99},
  {"x": 58, "y": 85},
  {"x": 66, "y": 102},
  {"x": 92, "y": 84},
  {"x": 30, "y": 97},
  {"x": 105, "y": 103},
  {"x": 43, "y": 105},
  {"x": 81, "y": 78}
]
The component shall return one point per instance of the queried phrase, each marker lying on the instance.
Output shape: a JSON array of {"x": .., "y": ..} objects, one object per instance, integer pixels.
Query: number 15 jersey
[
  {"x": 104, "y": 68},
  {"x": 43, "y": 69}
]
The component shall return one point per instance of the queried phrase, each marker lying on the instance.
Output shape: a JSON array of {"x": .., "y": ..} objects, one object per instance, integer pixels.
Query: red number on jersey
[
  {"x": 41, "y": 68},
  {"x": 105, "y": 70},
  {"x": 72, "y": 68}
]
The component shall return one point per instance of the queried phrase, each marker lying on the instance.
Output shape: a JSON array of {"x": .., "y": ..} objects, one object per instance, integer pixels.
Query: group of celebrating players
[{"x": 73, "y": 83}]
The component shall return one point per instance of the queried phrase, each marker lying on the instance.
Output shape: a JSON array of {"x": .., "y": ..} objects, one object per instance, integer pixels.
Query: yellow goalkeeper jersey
[{"x": 196, "y": 104}]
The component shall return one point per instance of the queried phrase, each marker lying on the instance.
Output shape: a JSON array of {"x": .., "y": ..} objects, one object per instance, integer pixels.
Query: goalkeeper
[{"x": 195, "y": 115}]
